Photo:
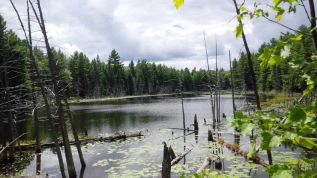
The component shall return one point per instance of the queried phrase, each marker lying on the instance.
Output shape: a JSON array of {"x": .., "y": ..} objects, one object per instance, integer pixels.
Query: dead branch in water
[
  {"x": 235, "y": 149},
  {"x": 85, "y": 141},
  {"x": 178, "y": 158},
  {"x": 205, "y": 165}
]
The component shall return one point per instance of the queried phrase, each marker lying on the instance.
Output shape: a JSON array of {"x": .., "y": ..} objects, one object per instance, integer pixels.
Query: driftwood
[
  {"x": 234, "y": 148},
  {"x": 85, "y": 141},
  {"x": 205, "y": 165},
  {"x": 178, "y": 158}
]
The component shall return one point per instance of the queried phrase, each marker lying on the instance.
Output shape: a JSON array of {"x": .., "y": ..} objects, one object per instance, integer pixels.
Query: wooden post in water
[
  {"x": 210, "y": 137},
  {"x": 209, "y": 82},
  {"x": 196, "y": 127},
  {"x": 232, "y": 85},
  {"x": 182, "y": 99},
  {"x": 166, "y": 164}
]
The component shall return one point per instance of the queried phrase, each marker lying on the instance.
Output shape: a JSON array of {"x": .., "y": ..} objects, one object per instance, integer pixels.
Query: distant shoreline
[{"x": 93, "y": 100}]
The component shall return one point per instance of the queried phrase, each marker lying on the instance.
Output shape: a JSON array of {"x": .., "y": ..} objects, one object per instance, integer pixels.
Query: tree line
[
  {"x": 84, "y": 77},
  {"x": 276, "y": 74}
]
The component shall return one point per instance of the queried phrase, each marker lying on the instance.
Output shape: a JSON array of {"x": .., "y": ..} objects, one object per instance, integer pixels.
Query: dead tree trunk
[
  {"x": 41, "y": 84},
  {"x": 313, "y": 23},
  {"x": 34, "y": 98},
  {"x": 58, "y": 98},
  {"x": 166, "y": 164},
  {"x": 256, "y": 159},
  {"x": 251, "y": 70},
  {"x": 70, "y": 115},
  {"x": 183, "y": 110},
  {"x": 232, "y": 86},
  {"x": 10, "y": 114},
  {"x": 250, "y": 63}
]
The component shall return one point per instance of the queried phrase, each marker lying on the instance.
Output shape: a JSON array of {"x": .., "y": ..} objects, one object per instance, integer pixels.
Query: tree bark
[
  {"x": 70, "y": 115},
  {"x": 250, "y": 63},
  {"x": 313, "y": 23},
  {"x": 57, "y": 91}
]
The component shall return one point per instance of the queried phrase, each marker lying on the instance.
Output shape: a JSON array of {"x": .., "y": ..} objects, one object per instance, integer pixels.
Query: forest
[
  {"x": 91, "y": 78},
  {"x": 256, "y": 118}
]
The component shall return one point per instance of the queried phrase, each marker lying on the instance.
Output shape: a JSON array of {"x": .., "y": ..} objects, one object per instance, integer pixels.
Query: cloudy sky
[{"x": 148, "y": 29}]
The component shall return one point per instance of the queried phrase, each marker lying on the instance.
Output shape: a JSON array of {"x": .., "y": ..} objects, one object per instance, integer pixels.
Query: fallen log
[
  {"x": 230, "y": 133},
  {"x": 205, "y": 165},
  {"x": 182, "y": 129},
  {"x": 235, "y": 149},
  {"x": 85, "y": 141},
  {"x": 178, "y": 158}
]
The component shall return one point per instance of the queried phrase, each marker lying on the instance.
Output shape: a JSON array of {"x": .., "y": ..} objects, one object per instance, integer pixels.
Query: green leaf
[
  {"x": 275, "y": 142},
  {"x": 239, "y": 30},
  {"x": 247, "y": 128},
  {"x": 265, "y": 55},
  {"x": 308, "y": 89},
  {"x": 178, "y": 3},
  {"x": 306, "y": 142},
  {"x": 283, "y": 174},
  {"x": 296, "y": 37},
  {"x": 252, "y": 151},
  {"x": 275, "y": 59},
  {"x": 280, "y": 11},
  {"x": 296, "y": 114},
  {"x": 238, "y": 114},
  {"x": 266, "y": 140}
]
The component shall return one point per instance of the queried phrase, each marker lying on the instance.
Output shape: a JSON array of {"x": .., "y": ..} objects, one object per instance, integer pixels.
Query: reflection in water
[
  {"x": 82, "y": 172},
  {"x": 137, "y": 157},
  {"x": 184, "y": 147},
  {"x": 38, "y": 164}
]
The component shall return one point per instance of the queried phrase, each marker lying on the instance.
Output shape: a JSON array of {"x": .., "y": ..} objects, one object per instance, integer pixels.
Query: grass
[{"x": 273, "y": 98}]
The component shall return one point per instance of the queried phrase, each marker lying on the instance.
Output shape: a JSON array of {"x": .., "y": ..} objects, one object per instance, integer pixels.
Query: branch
[
  {"x": 21, "y": 23},
  {"x": 281, "y": 24},
  {"x": 305, "y": 10},
  {"x": 11, "y": 143}
]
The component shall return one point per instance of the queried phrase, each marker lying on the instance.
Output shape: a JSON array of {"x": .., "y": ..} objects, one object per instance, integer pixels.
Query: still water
[{"x": 142, "y": 157}]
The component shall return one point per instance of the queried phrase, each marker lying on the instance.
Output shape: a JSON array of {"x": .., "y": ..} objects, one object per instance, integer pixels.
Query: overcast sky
[{"x": 149, "y": 29}]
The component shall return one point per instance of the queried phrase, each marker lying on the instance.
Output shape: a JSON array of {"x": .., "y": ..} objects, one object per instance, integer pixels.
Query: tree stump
[{"x": 166, "y": 164}]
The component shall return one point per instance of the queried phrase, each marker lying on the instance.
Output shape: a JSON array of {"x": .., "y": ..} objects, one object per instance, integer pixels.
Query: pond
[{"x": 142, "y": 157}]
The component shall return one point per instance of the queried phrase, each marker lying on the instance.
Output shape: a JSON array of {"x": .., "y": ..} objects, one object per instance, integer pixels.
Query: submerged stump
[
  {"x": 166, "y": 164},
  {"x": 196, "y": 128}
]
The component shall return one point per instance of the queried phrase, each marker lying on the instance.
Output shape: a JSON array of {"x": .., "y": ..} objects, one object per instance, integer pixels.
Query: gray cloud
[{"x": 149, "y": 29}]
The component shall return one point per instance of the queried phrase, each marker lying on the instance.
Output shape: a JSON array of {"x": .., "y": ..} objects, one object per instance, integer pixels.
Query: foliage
[{"x": 283, "y": 60}]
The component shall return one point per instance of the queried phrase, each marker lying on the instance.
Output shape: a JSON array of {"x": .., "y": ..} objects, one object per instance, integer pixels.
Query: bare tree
[
  {"x": 57, "y": 88},
  {"x": 41, "y": 84}
]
